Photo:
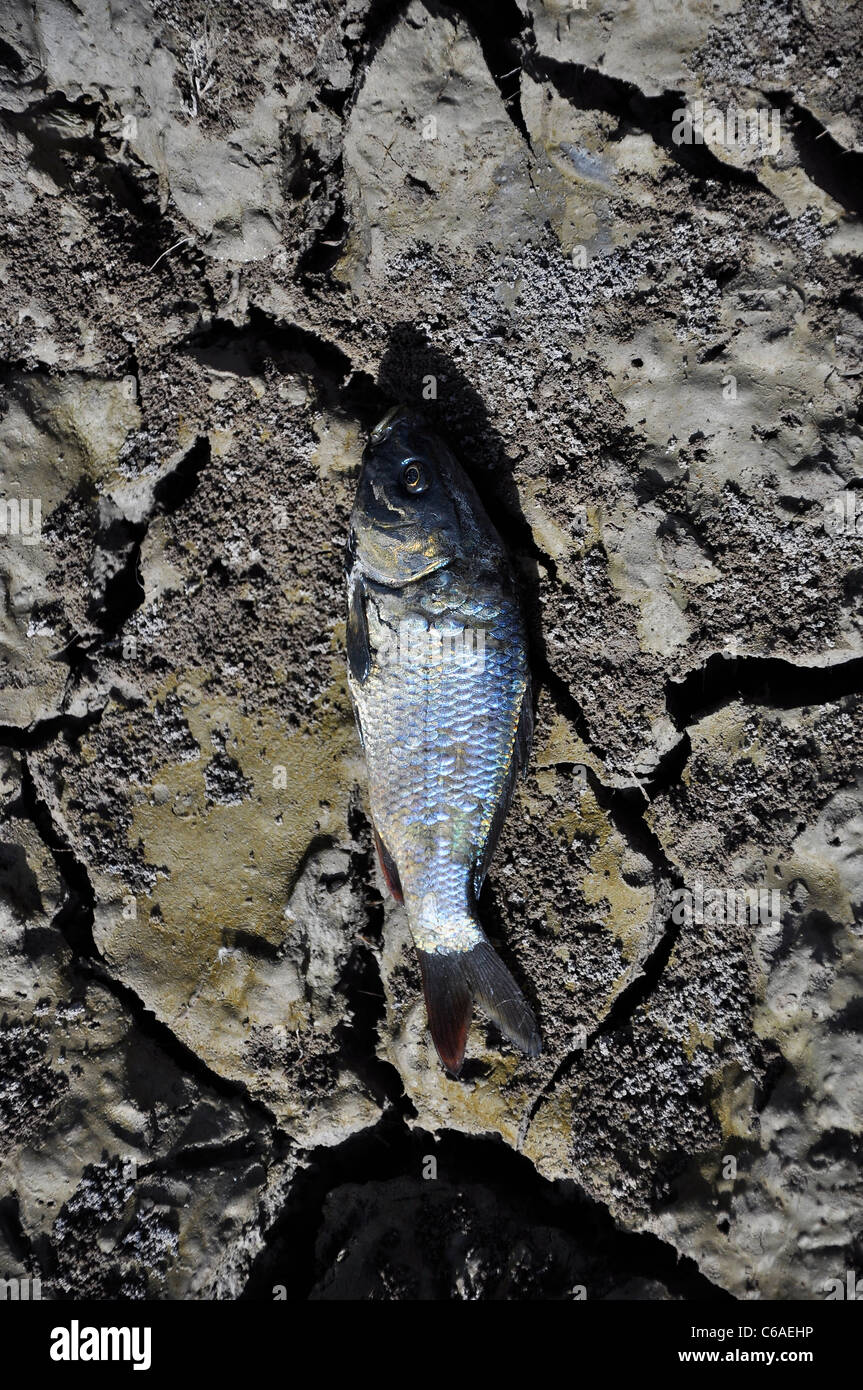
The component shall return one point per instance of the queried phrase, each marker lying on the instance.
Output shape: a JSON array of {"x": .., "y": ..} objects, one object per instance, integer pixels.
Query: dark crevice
[
  {"x": 669, "y": 768},
  {"x": 589, "y": 90},
  {"x": 380, "y": 17},
  {"x": 200, "y": 1157},
  {"x": 321, "y": 183},
  {"x": 43, "y": 731},
  {"x": 839, "y": 172},
  {"x": 75, "y": 919},
  {"x": 176, "y": 488},
  {"x": 258, "y": 947},
  {"x": 118, "y": 542},
  {"x": 392, "y": 1153},
  {"x": 13, "y": 1232},
  {"x": 10, "y": 59},
  {"x": 123, "y": 588},
  {"x": 357, "y": 1036},
  {"x": 328, "y": 244},
  {"x": 759, "y": 680},
  {"x": 291, "y": 349},
  {"x": 245, "y": 349},
  {"x": 318, "y": 185},
  {"x": 503, "y": 34}
]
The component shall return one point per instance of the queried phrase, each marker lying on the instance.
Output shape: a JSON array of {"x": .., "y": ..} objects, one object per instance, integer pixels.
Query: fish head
[{"x": 415, "y": 510}]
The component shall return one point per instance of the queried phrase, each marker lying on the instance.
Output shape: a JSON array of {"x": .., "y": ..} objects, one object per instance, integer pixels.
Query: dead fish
[{"x": 439, "y": 678}]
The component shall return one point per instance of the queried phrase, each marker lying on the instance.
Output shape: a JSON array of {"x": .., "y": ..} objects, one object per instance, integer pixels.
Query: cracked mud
[{"x": 232, "y": 238}]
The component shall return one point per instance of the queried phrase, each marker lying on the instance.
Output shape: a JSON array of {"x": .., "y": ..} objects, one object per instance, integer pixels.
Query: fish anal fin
[
  {"x": 389, "y": 869},
  {"x": 449, "y": 1005}
]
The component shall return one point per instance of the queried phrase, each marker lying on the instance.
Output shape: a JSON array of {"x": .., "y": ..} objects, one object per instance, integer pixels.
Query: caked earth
[{"x": 232, "y": 238}]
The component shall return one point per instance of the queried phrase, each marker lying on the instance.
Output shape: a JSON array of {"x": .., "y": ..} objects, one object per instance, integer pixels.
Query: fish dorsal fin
[{"x": 359, "y": 650}]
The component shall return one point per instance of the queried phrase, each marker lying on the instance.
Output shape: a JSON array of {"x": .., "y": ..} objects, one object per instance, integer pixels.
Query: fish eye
[{"x": 413, "y": 477}]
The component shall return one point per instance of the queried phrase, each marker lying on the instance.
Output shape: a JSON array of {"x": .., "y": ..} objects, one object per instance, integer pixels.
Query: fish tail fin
[
  {"x": 498, "y": 994},
  {"x": 449, "y": 1004},
  {"x": 452, "y": 980}
]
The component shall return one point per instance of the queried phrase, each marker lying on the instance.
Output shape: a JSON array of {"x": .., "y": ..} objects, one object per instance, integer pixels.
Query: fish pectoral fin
[
  {"x": 359, "y": 650},
  {"x": 389, "y": 869}
]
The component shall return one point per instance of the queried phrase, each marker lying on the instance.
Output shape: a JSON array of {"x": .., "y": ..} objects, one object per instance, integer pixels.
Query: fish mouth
[{"x": 383, "y": 427}]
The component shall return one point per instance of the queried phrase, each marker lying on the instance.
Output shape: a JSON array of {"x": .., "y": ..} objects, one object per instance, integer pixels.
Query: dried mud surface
[{"x": 232, "y": 237}]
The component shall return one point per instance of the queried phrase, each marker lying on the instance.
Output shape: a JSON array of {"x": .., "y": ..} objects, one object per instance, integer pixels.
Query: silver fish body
[{"x": 438, "y": 673}]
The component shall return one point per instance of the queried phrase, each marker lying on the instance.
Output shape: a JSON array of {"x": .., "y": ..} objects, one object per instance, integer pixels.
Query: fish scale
[
  {"x": 443, "y": 726},
  {"x": 420, "y": 798}
]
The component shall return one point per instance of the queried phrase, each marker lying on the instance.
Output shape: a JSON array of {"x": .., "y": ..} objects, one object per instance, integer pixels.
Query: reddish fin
[
  {"x": 449, "y": 1004},
  {"x": 388, "y": 869}
]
